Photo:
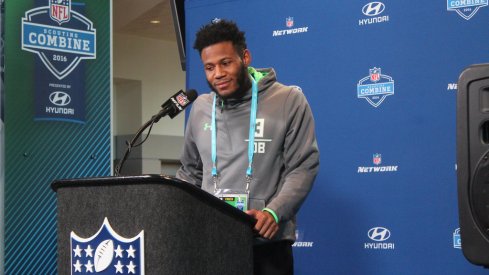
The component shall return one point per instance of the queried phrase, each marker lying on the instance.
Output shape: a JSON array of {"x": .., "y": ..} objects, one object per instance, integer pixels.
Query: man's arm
[
  {"x": 301, "y": 156},
  {"x": 191, "y": 169}
]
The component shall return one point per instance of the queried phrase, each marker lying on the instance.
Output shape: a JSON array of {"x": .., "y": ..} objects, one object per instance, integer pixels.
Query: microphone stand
[{"x": 130, "y": 145}]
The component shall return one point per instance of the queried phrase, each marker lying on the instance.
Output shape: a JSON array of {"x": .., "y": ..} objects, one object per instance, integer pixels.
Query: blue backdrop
[{"x": 381, "y": 80}]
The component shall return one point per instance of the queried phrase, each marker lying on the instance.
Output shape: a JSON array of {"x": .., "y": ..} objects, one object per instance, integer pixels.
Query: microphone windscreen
[{"x": 192, "y": 95}]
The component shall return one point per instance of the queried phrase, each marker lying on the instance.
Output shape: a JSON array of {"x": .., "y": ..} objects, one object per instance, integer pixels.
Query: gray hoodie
[{"x": 286, "y": 158}]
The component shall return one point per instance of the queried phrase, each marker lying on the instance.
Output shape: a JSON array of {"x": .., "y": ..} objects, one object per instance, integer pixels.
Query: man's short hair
[{"x": 220, "y": 30}]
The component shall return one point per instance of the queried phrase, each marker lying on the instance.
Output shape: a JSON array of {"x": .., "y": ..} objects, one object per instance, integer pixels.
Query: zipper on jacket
[{"x": 222, "y": 105}]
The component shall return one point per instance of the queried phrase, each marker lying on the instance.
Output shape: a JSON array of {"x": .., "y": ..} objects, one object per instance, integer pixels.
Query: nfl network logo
[
  {"x": 289, "y": 23},
  {"x": 300, "y": 240},
  {"x": 457, "y": 240},
  {"x": 466, "y": 9},
  {"x": 375, "y": 87},
  {"x": 377, "y": 161},
  {"x": 106, "y": 252}
]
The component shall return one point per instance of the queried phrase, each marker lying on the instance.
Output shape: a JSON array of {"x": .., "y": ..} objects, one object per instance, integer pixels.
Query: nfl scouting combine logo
[
  {"x": 61, "y": 38},
  {"x": 375, "y": 87},
  {"x": 466, "y": 8},
  {"x": 60, "y": 48},
  {"x": 107, "y": 252},
  {"x": 290, "y": 30},
  {"x": 379, "y": 235}
]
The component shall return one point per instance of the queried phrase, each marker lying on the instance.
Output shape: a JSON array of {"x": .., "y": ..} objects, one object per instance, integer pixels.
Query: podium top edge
[
  {"x": 112, "y": 180},
  {"x": 156, "y": 180}
]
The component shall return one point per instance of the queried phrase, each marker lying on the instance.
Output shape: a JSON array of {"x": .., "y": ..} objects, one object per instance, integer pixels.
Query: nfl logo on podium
[
  {"x": 106, "y": 252},
  {"x": 60, "y": 10}
]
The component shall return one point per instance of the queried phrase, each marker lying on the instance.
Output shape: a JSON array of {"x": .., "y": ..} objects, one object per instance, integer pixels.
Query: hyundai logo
[
  {"x": 373, "y": 8},
  {"x": 60, "y": 98},
  {"x": 379, "y": 234}
]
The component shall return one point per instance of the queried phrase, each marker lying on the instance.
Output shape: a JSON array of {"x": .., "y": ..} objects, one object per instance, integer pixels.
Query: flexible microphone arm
[
  {"x": 172, "y": 107},
  {"x": 131, "y": 144}
]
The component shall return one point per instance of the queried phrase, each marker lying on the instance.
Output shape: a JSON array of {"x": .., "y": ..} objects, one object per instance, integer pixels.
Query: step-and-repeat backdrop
[{"x": 381, "y": 78}]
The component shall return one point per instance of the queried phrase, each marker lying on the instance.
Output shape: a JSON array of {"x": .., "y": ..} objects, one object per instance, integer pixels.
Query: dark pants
[{"x": 274, "y": 258}]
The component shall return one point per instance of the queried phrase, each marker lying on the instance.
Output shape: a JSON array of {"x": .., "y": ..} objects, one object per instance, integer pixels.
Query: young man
[{"x": 251, "y": 137}]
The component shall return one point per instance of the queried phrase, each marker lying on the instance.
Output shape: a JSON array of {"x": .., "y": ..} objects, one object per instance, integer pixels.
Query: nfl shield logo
[
  {"x": 59, "y": 10},
  {"x": 106, "y": 252},
  {"x": 289, "y": 22},
  {"x": 374, "y": 74},
  {"x": 377, "y": 159},
  {"x": 182, "y": 100}
]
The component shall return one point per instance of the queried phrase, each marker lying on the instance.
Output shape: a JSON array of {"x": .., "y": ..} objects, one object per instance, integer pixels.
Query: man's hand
[{"x": 265, "y": 225}]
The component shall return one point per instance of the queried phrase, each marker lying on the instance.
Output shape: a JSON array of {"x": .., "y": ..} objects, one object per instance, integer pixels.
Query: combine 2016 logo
[
  {"x": 289, "y": 23},
  {"x": 60, "y": 37},
  {"x": 106, "y": 252},
  {"x": 375, "y": 87},
  {"x": 466, "y": 8},
  {"x": 379, "y": 235}
]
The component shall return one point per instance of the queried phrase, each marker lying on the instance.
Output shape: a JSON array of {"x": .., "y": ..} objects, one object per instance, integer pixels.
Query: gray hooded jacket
[{"x": 286, "y": 158}]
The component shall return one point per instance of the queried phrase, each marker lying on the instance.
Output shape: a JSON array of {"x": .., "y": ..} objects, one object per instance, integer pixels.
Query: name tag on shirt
[{"x": 235, "y": 198}]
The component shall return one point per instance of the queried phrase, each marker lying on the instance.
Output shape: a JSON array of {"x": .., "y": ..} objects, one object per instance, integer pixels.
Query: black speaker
[{"x": 473, "y": 162}]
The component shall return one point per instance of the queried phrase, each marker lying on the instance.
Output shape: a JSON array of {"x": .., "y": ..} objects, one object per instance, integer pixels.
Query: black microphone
[
  {"x": 172, "y": 107},
  {"x": 175, "y": 104}
]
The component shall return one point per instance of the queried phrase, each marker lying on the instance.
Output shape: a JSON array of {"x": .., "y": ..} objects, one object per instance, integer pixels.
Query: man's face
[{"x": 224, "y": 68}]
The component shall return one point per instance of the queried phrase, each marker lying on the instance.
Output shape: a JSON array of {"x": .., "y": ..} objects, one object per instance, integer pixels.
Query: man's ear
[{"x": 246, "y": 57}]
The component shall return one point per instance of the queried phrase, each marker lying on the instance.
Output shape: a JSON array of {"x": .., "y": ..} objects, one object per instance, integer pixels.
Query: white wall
[{"x": 156, "y": 64}]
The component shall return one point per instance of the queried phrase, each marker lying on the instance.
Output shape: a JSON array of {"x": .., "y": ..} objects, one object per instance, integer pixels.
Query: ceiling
[{"x": 133, "y": 18}]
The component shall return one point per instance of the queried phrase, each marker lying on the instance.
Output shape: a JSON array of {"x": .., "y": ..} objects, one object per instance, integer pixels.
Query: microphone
[
  {"x": 172, "y": 107},
  {"x": 175, "y": 104}
]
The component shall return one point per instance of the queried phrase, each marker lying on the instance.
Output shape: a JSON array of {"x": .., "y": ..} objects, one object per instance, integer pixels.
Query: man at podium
[{"x": 251, "y": 142}]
